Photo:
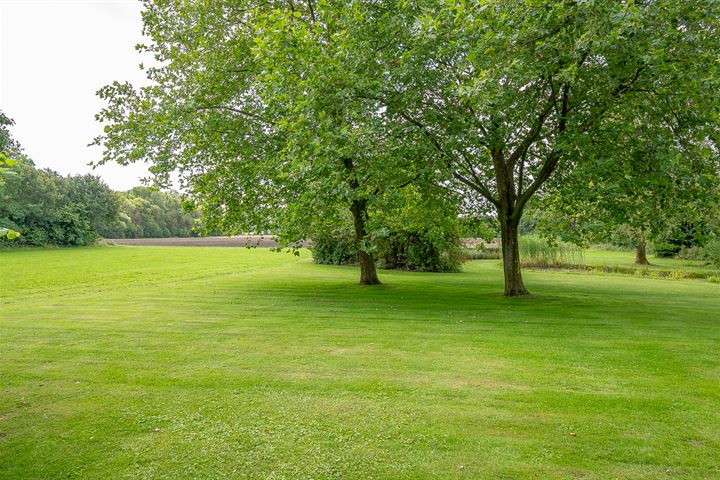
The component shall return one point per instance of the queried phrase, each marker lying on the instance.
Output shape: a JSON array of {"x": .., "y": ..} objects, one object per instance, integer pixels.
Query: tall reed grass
[{"x": 536, "y": 251}]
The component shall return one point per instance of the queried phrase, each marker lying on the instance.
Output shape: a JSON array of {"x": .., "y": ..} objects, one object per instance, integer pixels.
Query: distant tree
[
  {"x": 98, "y": 201},
  {"x": 33, "y": 202},
  {"x": 146, "y": 213},
  {"x": 650, "y": 177}
]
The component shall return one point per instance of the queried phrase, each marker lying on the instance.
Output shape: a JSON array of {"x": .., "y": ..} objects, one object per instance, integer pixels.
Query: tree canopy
[{"x": 275, "y": 113}]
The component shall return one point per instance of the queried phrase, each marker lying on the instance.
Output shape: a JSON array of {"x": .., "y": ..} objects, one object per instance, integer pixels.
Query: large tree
[
  {"x": 254, "y": 106},
  {"x": 511, "y": 92}
]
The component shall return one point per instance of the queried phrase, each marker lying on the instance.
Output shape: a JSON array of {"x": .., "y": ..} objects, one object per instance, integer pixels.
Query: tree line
[{"x": 42, "y": 207}]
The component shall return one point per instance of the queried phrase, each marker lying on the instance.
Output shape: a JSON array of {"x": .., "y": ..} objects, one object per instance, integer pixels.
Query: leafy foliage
[
  {"x": 420, "y": 252},
  {"x": 665, "y": 250},
  {"x": 711, "y": 252},
  {"x": 273, "y": 114},
  {"x": 335, "y": 247},
  {"x": 49, "y": 209},
  {"x": 147, "y": 213},
  {"x": 402, "y": 250}
]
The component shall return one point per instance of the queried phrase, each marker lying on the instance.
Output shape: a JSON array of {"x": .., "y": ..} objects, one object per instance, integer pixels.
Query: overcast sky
[{"x": 54, "y": 56}]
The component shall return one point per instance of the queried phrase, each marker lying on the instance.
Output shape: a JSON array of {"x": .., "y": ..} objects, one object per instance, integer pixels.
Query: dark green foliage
[
  {"x": 685, "y": 240},
  {"x": 420, "y": 252},
  {"x": 401, "y": 250},
  {"x": 49, "y": 209},
  {"x": 99, "y": 202},
  {"x": 149, "y": 213},
  {"x": 334, "y": 247},
  {"x": 686, "y": 235},
  {"x": 529, "y": 222},
  {"x": 710, "y": 252},
  {"x": 71, "y": 226},
  {"x": 666, "y": 249}
]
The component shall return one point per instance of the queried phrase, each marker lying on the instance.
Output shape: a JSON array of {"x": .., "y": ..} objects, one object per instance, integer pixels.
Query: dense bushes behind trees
[
  {"x": 421, "y": 252},
  {"x": 49, "y": 209},
  {"x": 402, "y": 250}
]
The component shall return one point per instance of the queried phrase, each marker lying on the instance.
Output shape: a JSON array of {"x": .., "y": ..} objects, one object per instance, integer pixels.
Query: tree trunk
[
  {"x": 368, "y": 272},
  {"x": 640, "y": 253},
  {"x": 514, "y": 286}
]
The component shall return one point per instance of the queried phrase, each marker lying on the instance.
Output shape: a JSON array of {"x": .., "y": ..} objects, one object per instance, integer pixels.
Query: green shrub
[
  {"x": 690, "y": 253},
  {"x": 540, "y": 252},
  {"x": 666, "y": 249},
  {"x": 419, "y": 252},
  {"x": 411, "y": 251},
  {"x": 334, "y": 247},
  {"x": 711, "y": 252}
]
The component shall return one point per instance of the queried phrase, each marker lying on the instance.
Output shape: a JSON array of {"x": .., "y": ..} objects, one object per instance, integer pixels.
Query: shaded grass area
[{"x": 142, "y": 362}]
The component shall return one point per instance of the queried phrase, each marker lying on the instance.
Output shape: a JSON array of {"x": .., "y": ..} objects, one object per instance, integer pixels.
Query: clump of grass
[
  {"x": 537, "y": 251},
  {"x": 481, "y": 252}
]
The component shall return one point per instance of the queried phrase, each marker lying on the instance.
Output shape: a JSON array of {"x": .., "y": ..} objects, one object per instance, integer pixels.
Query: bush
[
  {"x": 666, "y": 249},
  {"x": 711, "y": 252},
  {"x": 419, "y": 252},
  {"x": 690, "y": 253},
  {"x": 539, "y": 252},
  {"x": 334, "y": 247},
  {"x": 411, "y": 251}
]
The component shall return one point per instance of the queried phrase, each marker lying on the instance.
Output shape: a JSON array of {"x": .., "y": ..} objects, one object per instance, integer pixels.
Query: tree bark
[
  {"x": 514, "y": 286},
  {"x": 640, "y": 253},
  {"x": 368, "y": 271}
]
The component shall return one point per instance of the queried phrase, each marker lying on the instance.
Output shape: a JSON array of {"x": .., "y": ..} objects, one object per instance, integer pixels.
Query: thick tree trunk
[
  {"x": 368, "y": 271},
  {"x": 640, "y": 253},
  {"x": 514, "y": 286}
]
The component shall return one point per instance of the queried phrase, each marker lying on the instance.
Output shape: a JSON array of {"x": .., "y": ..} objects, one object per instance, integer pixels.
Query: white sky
[{"x": 54, "y": 56}]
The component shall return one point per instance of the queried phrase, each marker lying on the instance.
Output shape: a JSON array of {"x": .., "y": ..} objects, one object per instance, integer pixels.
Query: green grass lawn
[
  {"x": 204, "y": 363},
  {"x": 598, "y": 257}
]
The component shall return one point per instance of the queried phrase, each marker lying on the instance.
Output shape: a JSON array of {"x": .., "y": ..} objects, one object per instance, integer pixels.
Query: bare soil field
[{"x": 235, "y": 241}]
